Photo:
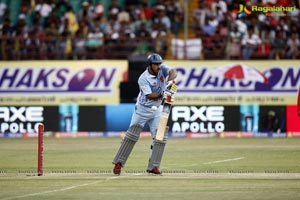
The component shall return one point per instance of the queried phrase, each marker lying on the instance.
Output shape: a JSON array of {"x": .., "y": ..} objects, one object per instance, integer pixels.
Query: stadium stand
[{"x": 117, "y": 29}]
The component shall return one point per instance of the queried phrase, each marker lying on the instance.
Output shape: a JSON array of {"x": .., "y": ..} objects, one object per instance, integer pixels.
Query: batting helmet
[{"x": 154, "y": 58}]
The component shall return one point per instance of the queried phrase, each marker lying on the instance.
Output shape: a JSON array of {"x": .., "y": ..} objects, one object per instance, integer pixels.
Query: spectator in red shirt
[{"x": 145, "y": 13}]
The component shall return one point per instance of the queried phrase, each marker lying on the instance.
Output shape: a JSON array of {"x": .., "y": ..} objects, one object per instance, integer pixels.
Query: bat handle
[{"x": 163, "y": 101}]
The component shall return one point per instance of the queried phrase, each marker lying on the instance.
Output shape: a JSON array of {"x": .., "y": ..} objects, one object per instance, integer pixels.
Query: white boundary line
[
  {"x": 207, "y": 163},
  {"x": 58, "y": 190},
  {"x": 221, "y": 161}
]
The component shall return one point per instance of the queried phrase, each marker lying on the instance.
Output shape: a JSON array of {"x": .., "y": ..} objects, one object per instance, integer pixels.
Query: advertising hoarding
[
  {"x": 202, "y": 83},
  {"x": 97, "y": 82},
  {"x": 69, "y": 96},
  {"x": 25, "y": 119},
  {"x": 185, "y": 120},
  {"x": 56, "y": 82}
]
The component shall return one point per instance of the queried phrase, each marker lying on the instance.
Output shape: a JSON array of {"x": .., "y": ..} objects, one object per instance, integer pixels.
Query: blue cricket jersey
[{"x": 152, "y": 84}]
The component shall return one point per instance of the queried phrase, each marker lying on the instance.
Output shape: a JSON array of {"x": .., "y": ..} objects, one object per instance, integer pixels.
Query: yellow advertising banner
[
  {"x": 237, "y": 82},
  {"x": 199, "y": 82},
  {"x": 56, "y": 82}
]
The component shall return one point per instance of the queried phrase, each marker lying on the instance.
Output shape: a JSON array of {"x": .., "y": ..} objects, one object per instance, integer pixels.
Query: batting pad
[
  {"x": 127, "y": 144},
  {"x": 158, "y": 148}
]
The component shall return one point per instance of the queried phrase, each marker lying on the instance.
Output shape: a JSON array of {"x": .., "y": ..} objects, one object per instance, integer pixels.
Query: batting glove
[
  {"x": 169, "y": 97},
  {"x": 171, "y": 87},
  {"x": 169, "y": 84}
]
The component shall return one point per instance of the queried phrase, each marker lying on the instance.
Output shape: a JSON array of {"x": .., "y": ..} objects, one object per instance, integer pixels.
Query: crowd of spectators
[
  {"x": 228, "y": 33},
  {"x": 59, "y": 29}
]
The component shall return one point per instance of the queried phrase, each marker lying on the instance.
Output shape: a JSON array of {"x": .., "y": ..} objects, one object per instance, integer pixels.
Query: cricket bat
[
  {"x": 160, "y": 134},
  {"x": 161, "y": 129}
]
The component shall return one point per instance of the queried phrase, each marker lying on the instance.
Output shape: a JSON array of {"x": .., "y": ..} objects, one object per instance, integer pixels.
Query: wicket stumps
[{"x": 40, "y": 148}]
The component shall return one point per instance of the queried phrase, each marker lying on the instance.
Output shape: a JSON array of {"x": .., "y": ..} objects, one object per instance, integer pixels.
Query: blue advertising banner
[{"x": 118, "y": 116}]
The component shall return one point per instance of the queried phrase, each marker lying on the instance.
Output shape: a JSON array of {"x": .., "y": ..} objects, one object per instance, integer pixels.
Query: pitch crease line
[
  {"x": 58, "y": 190},
  {"x": 220, "y": 161}
]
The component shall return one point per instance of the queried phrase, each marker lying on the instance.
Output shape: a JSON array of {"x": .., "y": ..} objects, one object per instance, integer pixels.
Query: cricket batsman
[{"x": 153, "y": 84}]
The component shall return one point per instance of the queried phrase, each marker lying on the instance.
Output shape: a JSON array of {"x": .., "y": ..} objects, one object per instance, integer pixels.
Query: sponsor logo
[
  {"x": 201, "y": 79},
  {"x": 56, "y": 79},
  {"x": 205, "y": 119},
  {"x": 20, "y": 119}
]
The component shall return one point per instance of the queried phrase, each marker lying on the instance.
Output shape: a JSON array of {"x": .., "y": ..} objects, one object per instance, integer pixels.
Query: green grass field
[{"x": 214, "y": 168}]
